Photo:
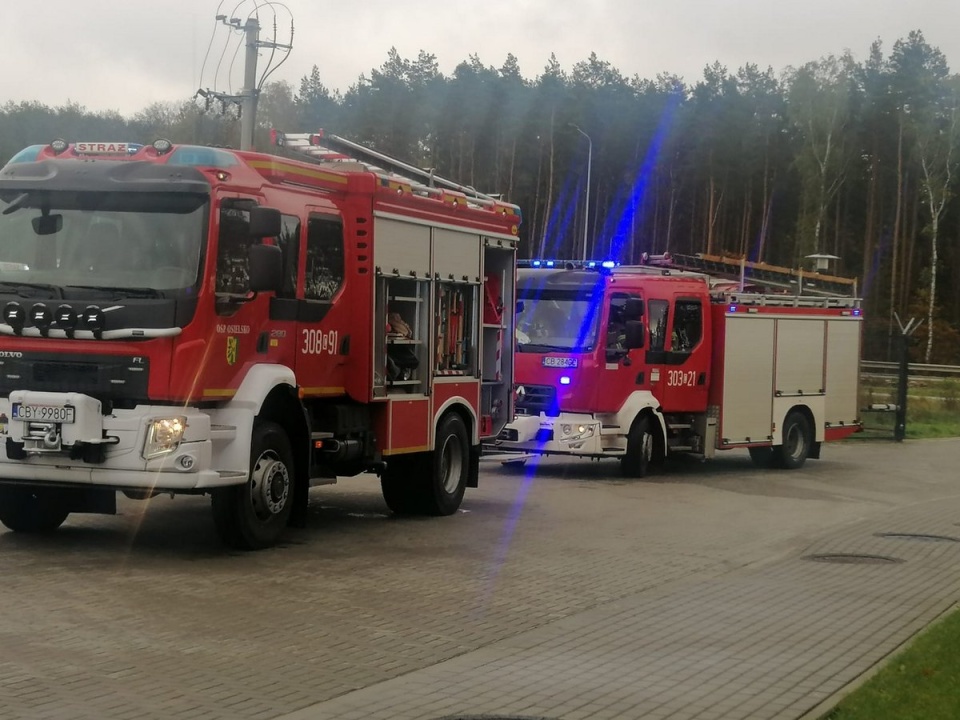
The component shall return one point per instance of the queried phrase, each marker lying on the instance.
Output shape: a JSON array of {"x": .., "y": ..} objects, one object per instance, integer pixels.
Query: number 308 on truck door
[
  {"x": 317, "y": 342},
  {"x": 681, "y": 378}
]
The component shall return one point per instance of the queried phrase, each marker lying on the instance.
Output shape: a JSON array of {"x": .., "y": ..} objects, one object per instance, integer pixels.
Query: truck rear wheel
[
  {"x": 32, "y": 510},
  {"x": 640, "y": 447},
  {"x": 797, "y": 441},
  {"x": 254, "y": 515},
  {"x": 449, "y": 467}
]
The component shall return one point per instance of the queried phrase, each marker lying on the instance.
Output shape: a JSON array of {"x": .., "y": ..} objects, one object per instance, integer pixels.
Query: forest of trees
[{"x": 854, "y": 159}]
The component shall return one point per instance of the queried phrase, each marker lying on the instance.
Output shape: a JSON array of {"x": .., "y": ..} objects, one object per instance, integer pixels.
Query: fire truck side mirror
[
  {"x": 634, "y": 334},
  {"x": 264, "y": 222},
  {"x": 266, "y": 268},
  {"x": 633, "y": 309}
]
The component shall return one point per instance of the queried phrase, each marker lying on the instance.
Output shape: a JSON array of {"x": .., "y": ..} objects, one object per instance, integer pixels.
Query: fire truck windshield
[
  {"x": 135, "y": 241},
  {"x": 556, "y": 321}
]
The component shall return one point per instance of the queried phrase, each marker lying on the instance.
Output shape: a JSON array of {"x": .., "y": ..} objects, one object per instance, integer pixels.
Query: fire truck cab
[
  {"x": 637, "y": 363},
  {"x": 196, "y": 320}
]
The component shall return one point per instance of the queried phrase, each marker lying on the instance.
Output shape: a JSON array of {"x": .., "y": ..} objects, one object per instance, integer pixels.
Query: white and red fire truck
[
  {"x": 184, "y": 319},
  {"x": 641, "y": 362}
]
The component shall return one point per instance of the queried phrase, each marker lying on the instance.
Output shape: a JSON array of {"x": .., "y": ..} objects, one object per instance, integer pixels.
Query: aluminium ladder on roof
[
  {"x": 773, "y": 276},
  {"x": 326, "y": 147}
]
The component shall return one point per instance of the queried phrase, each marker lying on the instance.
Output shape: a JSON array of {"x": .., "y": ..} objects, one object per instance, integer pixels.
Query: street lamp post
[{"x": 586, "y": 209}]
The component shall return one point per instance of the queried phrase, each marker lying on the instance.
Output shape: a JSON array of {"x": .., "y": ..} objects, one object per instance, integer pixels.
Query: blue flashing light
[
  {"x": 28, "y": 154},
  {"x": 196, "y": 156},
  {"x": 536, "y": 263},
  {"x": 550, "y": 263},
  {"x": 564, "y": 379},
  {"x": 592, "y": 264},
  {"x": 856, "y": 312},
  {"x": 608, "y": 264},
  {"x": 733, "y": 308}
]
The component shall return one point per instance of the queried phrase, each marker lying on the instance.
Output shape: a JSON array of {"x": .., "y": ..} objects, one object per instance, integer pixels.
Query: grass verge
[
  {"x": 920, "y": 683},
  {"x": 933, "y": 411}
]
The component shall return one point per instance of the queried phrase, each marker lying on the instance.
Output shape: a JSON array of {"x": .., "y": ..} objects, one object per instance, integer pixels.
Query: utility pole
[
  {"x": 249, "y": 93},
  {"x": 586, "y": 209},
  {"x": 246, "y": 101}
]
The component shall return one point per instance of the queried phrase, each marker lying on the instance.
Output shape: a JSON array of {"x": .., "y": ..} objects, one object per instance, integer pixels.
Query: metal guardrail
[{"x": 914, "y": 369}]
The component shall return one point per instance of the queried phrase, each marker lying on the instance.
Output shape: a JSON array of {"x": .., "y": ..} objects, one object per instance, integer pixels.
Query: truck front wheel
[
  {"x": 797, "y": 441},
  {"x": 254, "y": 515},
  {"x": 640, "y": 448},
  {"x": 32, "y": 510}
]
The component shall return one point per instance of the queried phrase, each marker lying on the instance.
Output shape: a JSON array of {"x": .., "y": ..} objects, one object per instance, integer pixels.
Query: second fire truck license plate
[{"x": 559, "y": 362}]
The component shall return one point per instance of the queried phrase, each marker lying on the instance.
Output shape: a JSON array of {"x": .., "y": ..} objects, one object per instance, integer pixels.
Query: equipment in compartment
[{"x": 452, "y": 331}]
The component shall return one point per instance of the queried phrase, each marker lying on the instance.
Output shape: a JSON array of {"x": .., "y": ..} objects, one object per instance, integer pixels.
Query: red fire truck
[
  {"x": 184, "y": 319},
  {"x": 640, "y": 362}
]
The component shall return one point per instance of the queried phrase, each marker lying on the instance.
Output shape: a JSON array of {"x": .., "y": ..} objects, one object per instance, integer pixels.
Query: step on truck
[
  {"x": 197, "y": 320},
  {"x": 642, "y": 362}
]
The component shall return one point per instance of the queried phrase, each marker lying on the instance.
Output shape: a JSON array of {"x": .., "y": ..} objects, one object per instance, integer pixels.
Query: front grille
[
  {"x": 107, "y": 377},
  {"x": 68, "y": 374},
  {"x": 538, "y": 398}
]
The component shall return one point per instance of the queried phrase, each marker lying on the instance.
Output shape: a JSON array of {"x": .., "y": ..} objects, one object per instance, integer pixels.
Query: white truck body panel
[
  {"x": 772, "y": 363},
  {"x": 748, "y": 374}
]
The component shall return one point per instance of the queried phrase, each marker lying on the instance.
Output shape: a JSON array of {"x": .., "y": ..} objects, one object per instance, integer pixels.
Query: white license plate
[
  {"x": 43, "y": 413},
  {"x": 559, "y": 362}
]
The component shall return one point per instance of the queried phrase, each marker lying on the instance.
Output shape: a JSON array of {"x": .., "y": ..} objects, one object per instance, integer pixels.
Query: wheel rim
[
  {"x": 269, "y": 485},
  {"x": 451, "y": 463},
  {"x": 646, "y": 448},
  {"x": 795, "y": 442}
]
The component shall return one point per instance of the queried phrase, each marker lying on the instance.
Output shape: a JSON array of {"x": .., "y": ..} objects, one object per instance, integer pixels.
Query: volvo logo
[{"x": 10, "y": 354}]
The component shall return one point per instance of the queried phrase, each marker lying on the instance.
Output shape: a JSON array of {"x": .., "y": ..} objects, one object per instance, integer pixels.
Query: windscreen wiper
[
  {"x": 23, "y": 288},
  {"x": 537, "y": 347},
  {"x": 121, "y": 292}
]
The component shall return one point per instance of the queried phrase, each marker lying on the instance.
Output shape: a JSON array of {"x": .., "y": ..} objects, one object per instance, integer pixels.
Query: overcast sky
[{"x": 125, "y": 54}]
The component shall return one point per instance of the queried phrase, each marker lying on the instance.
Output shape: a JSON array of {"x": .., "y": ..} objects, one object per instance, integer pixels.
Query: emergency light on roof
[{"x": 162, "y": 146}]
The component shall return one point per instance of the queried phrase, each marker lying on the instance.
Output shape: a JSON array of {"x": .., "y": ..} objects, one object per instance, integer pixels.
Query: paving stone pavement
[{"x": 562, "y": 592}]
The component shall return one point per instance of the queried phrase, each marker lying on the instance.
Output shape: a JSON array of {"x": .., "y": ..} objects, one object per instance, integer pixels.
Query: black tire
[
  {"x": 797, "y": 442},
  {"x": 762, "y": 456},
  {"x": 32, "y": 510},
  {"x": 401, "y": 484},
  {"x": 254, "y": 515},
  {"x": 449, "y": 468},
  {"x": 641, "y": 448}
]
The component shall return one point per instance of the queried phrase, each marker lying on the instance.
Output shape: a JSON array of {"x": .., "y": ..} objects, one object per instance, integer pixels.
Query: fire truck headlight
[{"x": 163, "y": 436}]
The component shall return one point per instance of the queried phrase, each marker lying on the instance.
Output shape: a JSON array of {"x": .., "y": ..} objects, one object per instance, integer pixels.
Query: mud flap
[
  {"x": 815, "y": 451},
  {"x": 473, "y": 479},
  {"x": 301, "y": 501}
]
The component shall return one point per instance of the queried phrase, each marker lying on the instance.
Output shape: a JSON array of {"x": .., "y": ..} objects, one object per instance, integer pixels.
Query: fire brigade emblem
[{"x": 233, "y": 346}]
